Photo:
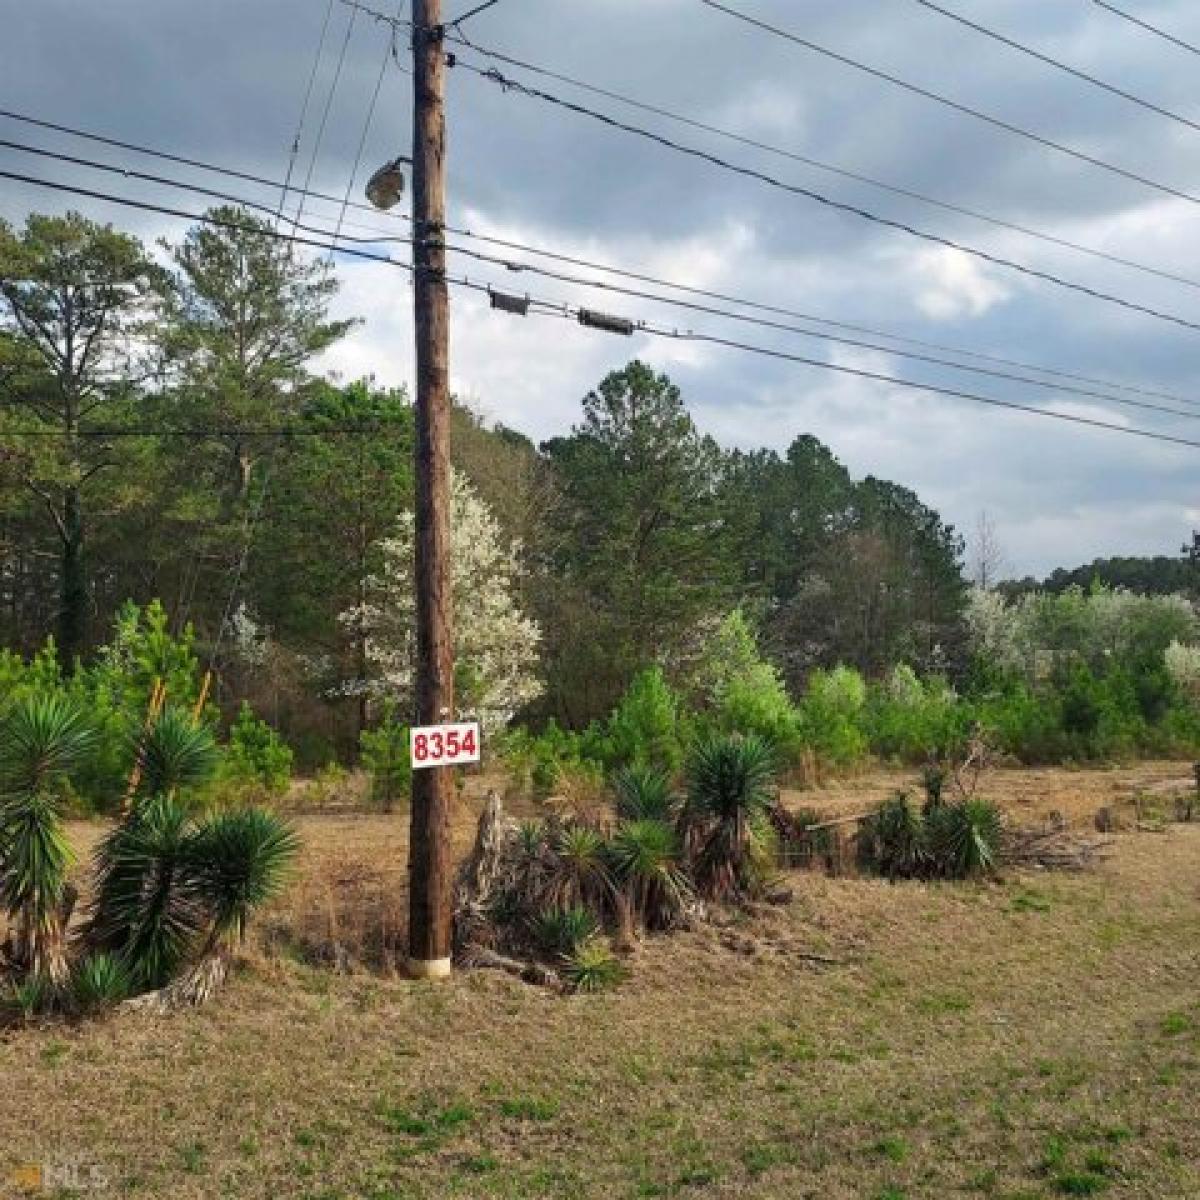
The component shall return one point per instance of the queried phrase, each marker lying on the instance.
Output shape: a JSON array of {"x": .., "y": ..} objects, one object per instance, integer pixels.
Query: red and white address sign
[{"x": 444, "y": 745}]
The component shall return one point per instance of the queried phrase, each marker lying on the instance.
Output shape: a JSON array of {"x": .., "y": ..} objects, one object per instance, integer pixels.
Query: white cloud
[{"x": 950, "y": 284}]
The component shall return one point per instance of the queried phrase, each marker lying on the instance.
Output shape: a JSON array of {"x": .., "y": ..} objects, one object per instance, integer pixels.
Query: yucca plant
[
  {"x": 148, "y": 907},
  {"x": 592, "y": 967},
  {"x": 560, "y": 931},
  {"x": 642, "y": 793},
  {"x": 175, "y": 753},
  {"x": 42, "y": 740},
  {"x": 725, "y": 819},
  {"x": 98, "y": 982},
  {"x": 238, "y": 861},
  {"x": 577, "y": 870},
  {"x": 964, "y": 837},
  {"x": 28, "y": 997},
  {"x": 647, "y": 862},
  {"x": 892, "y": 840}
]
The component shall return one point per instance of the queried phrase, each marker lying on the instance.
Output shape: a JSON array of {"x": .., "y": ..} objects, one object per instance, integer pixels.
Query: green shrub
[
  {"x": 725, "y": 819},
  {"x": 98, "y": 982},
  {"x": 915, "y": 721},
  {"x": 831, "y": 716},
  {"x": 554, "y": 760},
  {"x": 648, "y": 864},
  {"x": 953, "y": 840},
  {"x": 28, "y": 997},
  {"x": 257, "y": 754},
  {"x": 578, "y": 869},
  {"x": 43, "y": 739},
  {"x": 963, "y": 838},
  {"x": 643, "y": 794},
  {"x": 592, "y": 967},
  {"x": 385, "y": 754},
  {"x": 892, "y": 840},
  {"x": 561, "y": 931},
  {"x": 756, "y": 702},
  {"x": 647, "y": 727}
]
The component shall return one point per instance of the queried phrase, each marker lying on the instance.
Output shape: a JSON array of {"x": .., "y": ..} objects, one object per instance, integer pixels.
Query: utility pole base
[{"x": 427, "y": 968}]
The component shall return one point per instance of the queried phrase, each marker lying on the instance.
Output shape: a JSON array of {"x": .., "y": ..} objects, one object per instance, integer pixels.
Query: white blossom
[{"x": 495, "y": 644}]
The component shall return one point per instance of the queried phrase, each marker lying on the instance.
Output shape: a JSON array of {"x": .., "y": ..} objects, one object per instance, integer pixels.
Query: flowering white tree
[
  {"x": 1183, "y": 665},
  {"x": 1037, "y": 631},
  {"x": 495, "y": 644}
]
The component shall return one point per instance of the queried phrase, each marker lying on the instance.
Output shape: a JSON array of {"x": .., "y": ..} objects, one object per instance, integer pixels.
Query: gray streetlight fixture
[{"x": 386, "y": 186}]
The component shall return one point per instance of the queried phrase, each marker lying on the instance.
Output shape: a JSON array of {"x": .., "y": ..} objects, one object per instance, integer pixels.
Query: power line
[
  {"x": 589, "y": 264},
  {"x": 333, "y": 87},
  {"x": 512, "y": 265},
  {"x": 508, "y": 84},
  {"x": 553, "y": 308},
  {"x": 1154, "y": 29},
  {"x": 1060, "y": 66},
  {"x": 388, "y": 52},
  {"x": 805, "y": 160},
  {"x": 312, "y": 78},
  {"x": 763, "y": 323},
  {"x": 881, "y": 377},
  {"x": 149, "y": 177},
  {"x": 260, "y": 180},
  {"x": 946, "y": 101},
  {"x": 479, "y": 8},
  {"x": 780, "y": 310}
]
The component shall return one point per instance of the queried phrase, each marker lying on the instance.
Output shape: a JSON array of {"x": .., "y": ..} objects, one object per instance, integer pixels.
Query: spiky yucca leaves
[
  {"x": 33, "y": 883},
  {"x": 577, "y": 869},
  {"x": 175, "y": 753},
  {"x": 647, "y": 861},
  {"x": 725, "y": 820},
  {"x": 27, "y": 997},
  {"x": 561, "y": 931},
  {"x": 241, "y": 860},
  {"x": 963, "y": 837},
  {"x": 892, "y": 840},
  {"x": 237, "y": 862},
  {"x": 643, "y": 794},
  {"x": 42, "y": 740},
  {"x": 99, "y": 982},
  {"x": 148, "y": 905},
  {"x": 592, "y": 967}
]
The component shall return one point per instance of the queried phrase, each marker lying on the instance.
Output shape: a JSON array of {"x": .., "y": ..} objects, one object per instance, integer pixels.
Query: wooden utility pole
[{"x": 429, "y": 872}]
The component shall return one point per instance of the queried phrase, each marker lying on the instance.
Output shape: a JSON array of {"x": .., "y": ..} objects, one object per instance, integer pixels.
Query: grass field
[{"x": 1036, "y": 1037}]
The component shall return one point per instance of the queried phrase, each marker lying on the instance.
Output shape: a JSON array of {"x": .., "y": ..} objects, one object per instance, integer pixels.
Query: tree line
[{"x": 165, "y": 434}]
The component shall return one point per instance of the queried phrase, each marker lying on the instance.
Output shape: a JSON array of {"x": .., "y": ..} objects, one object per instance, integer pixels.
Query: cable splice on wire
[
  {"x": 249, "y": 177},
  {"x": 557, "y": 309},
  {"x": 643, "y": 278},
  {"x": 507, "y": 84},
  {"x": 511, "y": 265}
]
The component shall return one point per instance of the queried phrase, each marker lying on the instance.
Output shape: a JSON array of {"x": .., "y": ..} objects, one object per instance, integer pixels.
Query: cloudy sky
[{"x": 224, "y": 81}]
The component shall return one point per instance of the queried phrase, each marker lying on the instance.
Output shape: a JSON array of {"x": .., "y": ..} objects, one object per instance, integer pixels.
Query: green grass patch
[{"x": 529, "y": 1108}]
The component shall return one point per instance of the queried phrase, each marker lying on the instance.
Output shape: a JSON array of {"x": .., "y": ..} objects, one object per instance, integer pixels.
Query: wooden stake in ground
[{"x": 429, "y": 853}]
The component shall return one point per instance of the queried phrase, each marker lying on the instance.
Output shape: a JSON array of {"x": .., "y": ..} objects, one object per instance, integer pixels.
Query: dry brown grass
[{"x": 1020, "y": 1039}]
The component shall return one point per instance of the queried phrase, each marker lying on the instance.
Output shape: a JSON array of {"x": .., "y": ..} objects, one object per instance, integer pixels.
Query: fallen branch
[
  {"x": 529, "y": 972},
  {"x": 823, "y": 959}
]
